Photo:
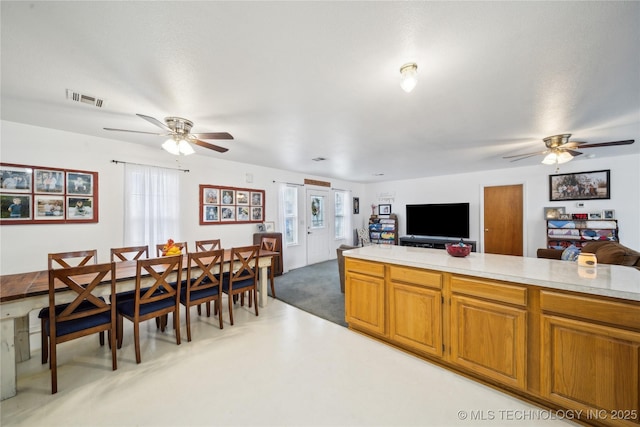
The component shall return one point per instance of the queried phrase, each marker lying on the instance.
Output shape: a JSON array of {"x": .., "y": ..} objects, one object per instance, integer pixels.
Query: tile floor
[{"x": 283, "y": 368}]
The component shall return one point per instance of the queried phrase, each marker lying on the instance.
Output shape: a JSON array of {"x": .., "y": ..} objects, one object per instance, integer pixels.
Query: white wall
[
  {"x": 25, "y": 247},
  {"x": 625, "y": 196}
]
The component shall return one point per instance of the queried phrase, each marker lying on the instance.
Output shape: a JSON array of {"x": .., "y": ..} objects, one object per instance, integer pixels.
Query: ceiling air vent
[{"x": 84, "y": 98}]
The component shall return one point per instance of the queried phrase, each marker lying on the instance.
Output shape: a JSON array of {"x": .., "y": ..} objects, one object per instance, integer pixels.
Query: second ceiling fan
[
  {"x": 179, "y": 132},
  {"x": 561, "y": 150}
]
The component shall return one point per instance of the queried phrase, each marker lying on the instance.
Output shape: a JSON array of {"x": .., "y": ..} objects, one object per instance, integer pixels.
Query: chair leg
[
  {"x": 112, "y": 345},
  {"x": 136, "y": 336},
  {"x": 199, "y": 311},
  {"x": 176, "y": 324},
  {"x": 255, "y": 294},
  {"x": 230, "y": 311},
  {"x": 218, "y": 309},
  {"x": 272, "y": 277},
  {"x": 44, "y": 341},
  {"x": 208, "y": 308},
  {"x": 53, "y": 362},
  {"x": 119, "y": 329},
  {"x": 101, "y": 339},
  {"x": 188, "y": 317}
]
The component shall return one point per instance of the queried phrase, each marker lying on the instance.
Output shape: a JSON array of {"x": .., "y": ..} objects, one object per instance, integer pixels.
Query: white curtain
[{"x": 151, "y": 206}]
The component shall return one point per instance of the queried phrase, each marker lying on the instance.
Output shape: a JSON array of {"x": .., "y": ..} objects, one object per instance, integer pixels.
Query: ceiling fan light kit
[
  {"x": 181, "y": 138},
  {"x": 409, "y": 73}
]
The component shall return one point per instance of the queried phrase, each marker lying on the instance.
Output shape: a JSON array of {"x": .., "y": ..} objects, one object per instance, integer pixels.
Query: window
[
  {"x": 290, "y": 203},
  {"x": 151, "y": 205},
  {"x": 341, "y": 215}
]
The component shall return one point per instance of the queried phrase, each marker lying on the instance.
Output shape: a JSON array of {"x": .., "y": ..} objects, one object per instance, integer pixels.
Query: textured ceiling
[{"x": 292, "y": 81}]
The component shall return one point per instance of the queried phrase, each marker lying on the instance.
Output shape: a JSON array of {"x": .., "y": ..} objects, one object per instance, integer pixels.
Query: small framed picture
[
  {"x": 15, "y": 179},
  {"x": 608, "y": 214},
  {"x": 242, "y": 197},
  {"x": 210, "y": 196},
  {"x": 49, "y": 181},
  {"x": 269, "y": 226},
  {"x": 228, "y": 197},
  {"x": 595, "y": 215},
  {"x": 261, "y": 228},
  {"x": 356, "y": 205},
  {"x": 256, "y": 213},
  {"x": 79, "y": 183},
  {"x": 256, "y": 198},
  {"x": 79, "y": 207},
  {"x": 211, "y": 213},
  {"x": 243, "y": 213},
  {"x": 553, "y": 212},
  {"x": 384, "y": 209},
  {"x": 15, "y": 207},
  {"x": 228, "y": 213},
  {"x": 565, "y": 216},
  {"x": 49, "y": 207}
]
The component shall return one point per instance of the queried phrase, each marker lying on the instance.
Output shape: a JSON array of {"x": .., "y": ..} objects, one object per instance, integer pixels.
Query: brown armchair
[{"x": 339, "y": 250}]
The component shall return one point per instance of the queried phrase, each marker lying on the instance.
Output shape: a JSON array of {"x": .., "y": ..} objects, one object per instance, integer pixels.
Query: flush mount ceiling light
[
  {"x": 177, "y": 145},
  {"x": 409, "y": 73}
]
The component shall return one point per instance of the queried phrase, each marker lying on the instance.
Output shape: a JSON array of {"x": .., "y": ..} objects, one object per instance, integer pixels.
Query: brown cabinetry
[
  {"x": 365, "y": 306},
  {"x": 415, "y": 309},
  {"x": 591, "y": 355},
  {"x": 489, "y": 329}
]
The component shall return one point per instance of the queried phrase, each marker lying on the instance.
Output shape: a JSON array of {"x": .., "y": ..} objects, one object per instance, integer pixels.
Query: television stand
[{"x": 433, "y": 242}]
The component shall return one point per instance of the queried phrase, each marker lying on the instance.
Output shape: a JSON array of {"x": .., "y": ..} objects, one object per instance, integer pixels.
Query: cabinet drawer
[
  {"x": 364, "y": 267},
  {"x": 495, "y": 291},
  {"x": 626, "y": 315},
  {"x": 416, "y": 277}
]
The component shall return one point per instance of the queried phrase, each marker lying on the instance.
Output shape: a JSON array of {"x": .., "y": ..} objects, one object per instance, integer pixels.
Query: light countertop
[{"x": 606, "y": 280}]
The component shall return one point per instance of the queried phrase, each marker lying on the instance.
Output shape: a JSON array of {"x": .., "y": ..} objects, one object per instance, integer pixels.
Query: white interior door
[{"x": 318, "y": 214}]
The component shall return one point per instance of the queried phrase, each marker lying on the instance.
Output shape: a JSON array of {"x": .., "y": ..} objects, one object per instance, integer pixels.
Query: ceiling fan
[
  {"x": 179, "y": 132},
  {"x": 561, "y": 150}
]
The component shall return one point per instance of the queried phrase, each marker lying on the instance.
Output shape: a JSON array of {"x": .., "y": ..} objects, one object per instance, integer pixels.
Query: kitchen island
[{"x": 548, "y": 331}]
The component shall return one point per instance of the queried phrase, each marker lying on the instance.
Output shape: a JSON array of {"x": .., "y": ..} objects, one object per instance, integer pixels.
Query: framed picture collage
[
  {"x": 230, "y": 205},
  {"x": 44, "y": 195}
]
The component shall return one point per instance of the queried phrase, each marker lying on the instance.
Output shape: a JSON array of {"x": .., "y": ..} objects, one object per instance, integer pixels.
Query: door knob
[{"x": 486, "y": 229}]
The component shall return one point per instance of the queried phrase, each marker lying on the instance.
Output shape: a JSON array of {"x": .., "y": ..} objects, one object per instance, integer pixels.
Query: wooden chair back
[
  {"x": 87, "y": 314},
  {"x": 181, "y": 245},
  {"x": 244, "y": 261},
  {"x": 269, "y": 244},
  {"x": 129, "y": 253},
  {"x": 72, "y": 259},
  {"x": 162, "y": 286},
  {"x": 207, "y": 245}
]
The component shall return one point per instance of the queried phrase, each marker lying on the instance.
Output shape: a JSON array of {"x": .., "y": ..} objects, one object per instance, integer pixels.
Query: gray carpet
[{"x": 314, "y": 289}]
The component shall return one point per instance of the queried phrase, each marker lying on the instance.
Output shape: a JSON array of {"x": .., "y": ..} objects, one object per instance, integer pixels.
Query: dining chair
[
  {"x": 208, "y": 245},
  {"x": 181, "y": 245},
  {"x": 63, "y": 260},
  {"x": 203, "y": 284},
  {"x": 271, "y": 244},
  {"x": 244, "y": 278},
  {"x": 129, "y": 253},
  {"x": 86, "y": 315},
  {"x": 161, "y": 297}
]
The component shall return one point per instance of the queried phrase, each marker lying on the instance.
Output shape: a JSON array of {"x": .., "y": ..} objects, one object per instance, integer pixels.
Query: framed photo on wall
[
  {"x": 79, "y": 183},
  {"x": 15, "y": 179},
  {"x": 384, "y": 209},
  {"x": 15, "y": 207},
  {"x": 49, "y": 207},
  {"x": 580, "y": 186}
]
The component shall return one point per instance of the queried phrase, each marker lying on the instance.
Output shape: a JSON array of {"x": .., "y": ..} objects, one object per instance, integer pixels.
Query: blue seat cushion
[
  {"x": 198, "y": 294},
  {"x": 237, "y": 285},
  {"x": 71, "y": 326},
  {"x": 84, "y": 305},
  {"x": 127, "y": 307},
  {"x": 121, "y": 296}
]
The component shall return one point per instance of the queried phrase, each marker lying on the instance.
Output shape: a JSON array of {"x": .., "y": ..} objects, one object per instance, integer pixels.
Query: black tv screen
[{"x": 438, "y": 220}]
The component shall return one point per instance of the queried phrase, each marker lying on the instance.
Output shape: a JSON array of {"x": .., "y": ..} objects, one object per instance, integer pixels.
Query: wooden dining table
[{"x": 22, "y": 293}]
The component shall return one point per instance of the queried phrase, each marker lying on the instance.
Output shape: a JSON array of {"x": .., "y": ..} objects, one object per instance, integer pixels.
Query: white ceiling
[{"x": 292, "y": 81}]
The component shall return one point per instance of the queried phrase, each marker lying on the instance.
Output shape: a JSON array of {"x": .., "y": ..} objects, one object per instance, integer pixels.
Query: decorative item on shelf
[
  {"x": 458, "y": 250},
  {"x": 564, "y": 216},
  {"x": 384, "y": 209},
  {"x": 553, "y": 212},
  {"x": 373, "y": 210},
  {"x": 171, "y": 249},
  {"x": 595, "y": 215},
  {"x": 579, "y": 216},
  {"x": 608, "y": 214}
]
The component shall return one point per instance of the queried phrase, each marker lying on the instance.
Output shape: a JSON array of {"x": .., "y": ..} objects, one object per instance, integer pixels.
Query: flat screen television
[{"x": 439, "y": 220}]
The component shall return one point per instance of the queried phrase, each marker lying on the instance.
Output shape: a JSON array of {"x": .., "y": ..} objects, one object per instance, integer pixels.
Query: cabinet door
[
  {"x": 588, "y": 366},
  {"x": 490, "y": 339},
  {"x": 364, "y": 298},
  {"x": 415, "y": 317}
]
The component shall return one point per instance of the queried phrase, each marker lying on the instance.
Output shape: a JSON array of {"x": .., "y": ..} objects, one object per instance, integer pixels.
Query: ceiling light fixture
[
  {"x": 177, "y": 146},
  {"x": 409, "y": 73},
  {"x": 557, "y": 157}
]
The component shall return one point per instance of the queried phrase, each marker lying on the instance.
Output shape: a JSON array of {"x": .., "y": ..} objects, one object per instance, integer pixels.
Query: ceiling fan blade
[
  {"x": 525, "y": 155},
  {"x": 572, "y": 152},
  {"x": 213, "y": 135},
  {"x": 155, "y": 122},
  {"x": 207, "y": 145},
  {"x": 134, "y": 131},
  {"x": 608, "y": 144}
]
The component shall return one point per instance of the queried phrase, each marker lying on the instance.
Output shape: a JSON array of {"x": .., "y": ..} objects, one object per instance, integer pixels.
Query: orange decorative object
[{"x": 171, "y": 249}]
